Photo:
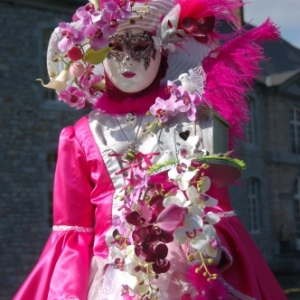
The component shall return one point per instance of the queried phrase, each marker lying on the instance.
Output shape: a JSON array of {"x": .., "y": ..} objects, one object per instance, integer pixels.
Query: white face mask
[{"x": 133, "y": 62}]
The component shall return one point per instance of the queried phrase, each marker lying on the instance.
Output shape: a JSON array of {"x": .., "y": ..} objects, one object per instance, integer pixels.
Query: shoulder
[
  {"x": 81, "y": 131},
  {"x": 75, "y": 133},
  {"x": 77, "y": 129}
]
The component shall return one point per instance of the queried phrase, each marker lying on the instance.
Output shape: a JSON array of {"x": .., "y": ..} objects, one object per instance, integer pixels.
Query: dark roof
[{"x": 283, "y": 57}]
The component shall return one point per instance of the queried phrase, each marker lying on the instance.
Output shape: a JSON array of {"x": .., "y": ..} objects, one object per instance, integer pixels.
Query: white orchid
[
  {"x": 181, "y": 174},
  {"x": 179, "y": 199},
  {"x": 207, "y": 243},
  {"x": 200, "y": 197},
  {"x": 211, "y": 218},
  {"x": 190, "y": 229}
]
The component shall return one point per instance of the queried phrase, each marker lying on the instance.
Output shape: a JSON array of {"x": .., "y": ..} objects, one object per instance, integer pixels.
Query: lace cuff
[{"x": 75, "y": 228}]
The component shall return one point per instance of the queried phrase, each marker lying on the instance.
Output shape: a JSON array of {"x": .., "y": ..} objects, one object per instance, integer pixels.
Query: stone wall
[
  {"x": 272, "y": 162},
  {"x": 29, "y": 129}
]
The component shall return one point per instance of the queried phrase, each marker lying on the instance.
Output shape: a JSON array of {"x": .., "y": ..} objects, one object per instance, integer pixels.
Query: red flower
[
  {"x": 199, "y": 28},
  {"x": 74, "y": 53},
  {"x": 158, "y": 257}
]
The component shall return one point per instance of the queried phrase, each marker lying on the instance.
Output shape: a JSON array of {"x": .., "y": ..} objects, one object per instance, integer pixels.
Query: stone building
[
  {"x": 30, "y": 122},
  {"x": 267, "y": 198}
]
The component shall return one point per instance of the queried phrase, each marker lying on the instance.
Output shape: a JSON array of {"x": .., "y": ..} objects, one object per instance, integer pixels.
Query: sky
[{"x": 285, "y": 13}]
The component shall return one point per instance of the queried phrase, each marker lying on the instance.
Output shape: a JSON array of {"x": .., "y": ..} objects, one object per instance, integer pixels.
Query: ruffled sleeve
[{"x": 62, "y": 271}]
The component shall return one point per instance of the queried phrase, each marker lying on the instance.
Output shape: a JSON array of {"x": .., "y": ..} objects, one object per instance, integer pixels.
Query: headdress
[{"x": 187, "y": 30}]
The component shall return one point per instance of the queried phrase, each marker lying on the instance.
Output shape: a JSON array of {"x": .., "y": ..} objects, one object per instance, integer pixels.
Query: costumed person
[{"x": 141, "y": 205}]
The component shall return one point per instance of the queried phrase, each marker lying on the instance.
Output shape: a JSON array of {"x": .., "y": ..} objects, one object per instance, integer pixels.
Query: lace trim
[
  {"x": 235, "y": 294},
  {"x": 227, "y": 214},
  {"x": 75, "y": 228}
]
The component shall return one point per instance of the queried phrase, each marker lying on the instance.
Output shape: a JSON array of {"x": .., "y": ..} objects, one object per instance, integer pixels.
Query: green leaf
[
  {"x": 209, "y": 159},
  {"x": 160, "y": 167},
  {"x": 215, "y": 159},
  {"x": 96, "y": 57}
]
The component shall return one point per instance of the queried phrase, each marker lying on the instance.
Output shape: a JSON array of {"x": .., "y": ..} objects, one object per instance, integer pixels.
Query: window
[
  {"x": 295, "y": 129},
  {"x": 250, "y": 128},
  {"x": 49, "y": 94},
  {"x": 253, "y": 204},
  {"x": 51, "y": 163},
  {"x": 297, "y": 212}
]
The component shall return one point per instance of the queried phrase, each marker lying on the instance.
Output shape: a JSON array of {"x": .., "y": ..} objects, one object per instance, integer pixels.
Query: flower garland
[{"x": 167, "y": 202}]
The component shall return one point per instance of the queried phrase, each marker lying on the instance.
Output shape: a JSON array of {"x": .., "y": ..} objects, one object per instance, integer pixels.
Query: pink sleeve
[{"x": 62, "y": 271}]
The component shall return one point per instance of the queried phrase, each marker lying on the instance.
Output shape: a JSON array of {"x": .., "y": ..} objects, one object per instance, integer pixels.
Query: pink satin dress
[{"x": 74, "y": 265}]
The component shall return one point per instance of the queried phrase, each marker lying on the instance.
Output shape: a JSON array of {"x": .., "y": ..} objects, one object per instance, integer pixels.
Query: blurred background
[{"x": 267, "y": 198}]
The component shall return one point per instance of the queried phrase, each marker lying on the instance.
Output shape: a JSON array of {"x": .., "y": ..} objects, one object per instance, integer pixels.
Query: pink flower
[
  {"x": 120, "y": 9},
  {"x": 171, "y": 217},
  {"x": 88, "y": 14},
  {"x": 97, "y": 38},
  {"x": 107, "y": 22},
  {"x": 140, "y": 217},
  {"x": 139, "y": 181},
  {"x": 77, "y": 69},
  {"x": 187, "y": 102},
  {"x": 97, "y": 25},
  {"x": 99, "y": 31},
  {"x": 73, "y": 96},
  {"x": 71, "y": 35},
  {"x": 89, "y": 78},
  {"x": 171, "y": 87},
  {"x": 162, "y": 109}
]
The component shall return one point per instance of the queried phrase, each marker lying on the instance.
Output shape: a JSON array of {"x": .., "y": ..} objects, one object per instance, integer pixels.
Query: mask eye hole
[
  {"x": 117, "y": 47},
  {"x": 140, "y": 47}
]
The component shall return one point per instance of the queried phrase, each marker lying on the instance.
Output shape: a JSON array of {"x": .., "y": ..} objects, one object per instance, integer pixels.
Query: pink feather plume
[
  {"x": 221, "y": 9},
  {"x": 230, "y": 72}
]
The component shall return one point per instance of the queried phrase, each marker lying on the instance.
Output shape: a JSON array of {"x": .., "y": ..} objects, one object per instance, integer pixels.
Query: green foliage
[
  {"x": 161, "y": 167},
  {"x": 96, "y": 57},
  {"x": 216, "y": 159},
  {"x": 209, "y": 160}
]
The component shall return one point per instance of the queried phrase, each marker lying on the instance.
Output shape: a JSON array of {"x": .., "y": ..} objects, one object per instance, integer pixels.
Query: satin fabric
[
  {"x": 247, "y": 275},
  {"x": 83, "y": 200}
]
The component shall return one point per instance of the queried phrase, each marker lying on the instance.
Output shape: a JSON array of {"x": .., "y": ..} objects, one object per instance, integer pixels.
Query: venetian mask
[{"x": 133, "y": 62}]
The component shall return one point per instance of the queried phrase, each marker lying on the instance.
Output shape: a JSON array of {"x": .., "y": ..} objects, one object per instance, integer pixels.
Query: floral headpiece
[
  {"x": 76, "y": 50},
  {"x": 185, "y": 29}
]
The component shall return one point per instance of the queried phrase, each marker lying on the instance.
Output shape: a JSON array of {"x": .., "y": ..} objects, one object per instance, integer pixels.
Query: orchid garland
[
  {"x": 167, "y": 202},
  {"x": 84, "y": 44},
  {"x": 180, "y": 100},
  {"x": 162, "y": 204}
]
